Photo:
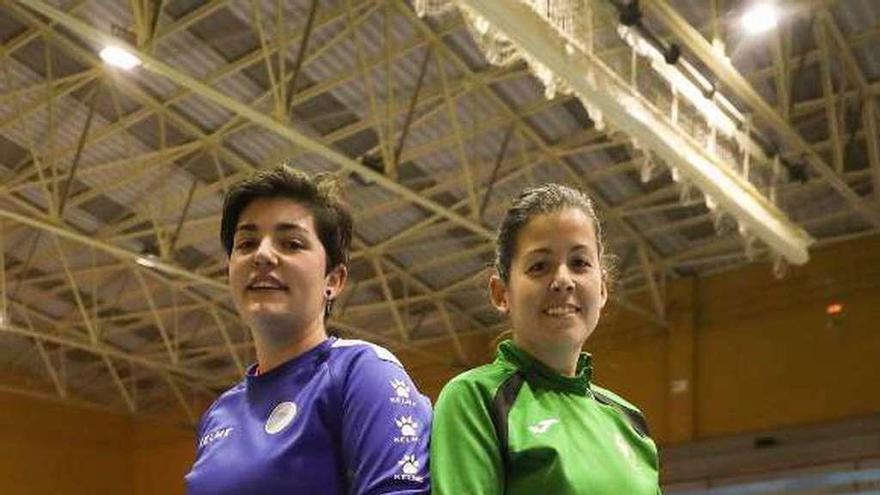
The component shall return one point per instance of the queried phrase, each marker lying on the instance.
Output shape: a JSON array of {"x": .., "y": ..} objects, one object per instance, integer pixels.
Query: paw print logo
[
  {"x": 410, "y": 464},
  {"x": 408, "y": 426},
  {"x": 401, "y": 389}
]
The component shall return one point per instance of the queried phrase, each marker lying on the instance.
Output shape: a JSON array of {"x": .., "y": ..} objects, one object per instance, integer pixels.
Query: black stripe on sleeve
[
  {"x": 502, "y": 403},
  {"x": 635, "y": 418}
]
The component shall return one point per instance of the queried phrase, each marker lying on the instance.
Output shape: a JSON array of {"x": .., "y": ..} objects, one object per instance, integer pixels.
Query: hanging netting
[{"x": 571, "y": 18}]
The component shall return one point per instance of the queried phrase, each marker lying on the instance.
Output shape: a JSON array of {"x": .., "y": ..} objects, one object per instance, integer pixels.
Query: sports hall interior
[{"x": 734, "y": 162}]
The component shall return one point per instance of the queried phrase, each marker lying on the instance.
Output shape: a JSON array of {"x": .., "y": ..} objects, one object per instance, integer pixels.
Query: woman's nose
[
  {"x": 265, "y": 254},
  {"x": 562, "y": 280}
]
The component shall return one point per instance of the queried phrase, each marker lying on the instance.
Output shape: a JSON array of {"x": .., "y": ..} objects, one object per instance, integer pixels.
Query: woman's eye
[
  {"x": 292, "y": 245},
  {"x": 580, "y": 263},
  {"x": 536, "y": 267},
  {"x": 245, "y": 244}
]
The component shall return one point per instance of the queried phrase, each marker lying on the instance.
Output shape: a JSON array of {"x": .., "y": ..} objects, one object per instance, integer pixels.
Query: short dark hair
[
  {"x": 320, "y": 193},
  {"x": 546, "y": 198}
]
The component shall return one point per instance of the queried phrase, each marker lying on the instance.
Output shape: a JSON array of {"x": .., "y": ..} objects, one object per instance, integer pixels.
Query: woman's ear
[
  {"x": 498, "y": 293},
  {"x": 335, "y": 280}
]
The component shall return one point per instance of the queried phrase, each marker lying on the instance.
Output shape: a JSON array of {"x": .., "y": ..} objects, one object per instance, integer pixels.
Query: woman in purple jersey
[{"x": 315, "y": 414}]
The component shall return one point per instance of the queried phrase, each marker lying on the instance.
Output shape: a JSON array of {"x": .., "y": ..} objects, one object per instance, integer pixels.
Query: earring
[{"x": 328, "y": 293}]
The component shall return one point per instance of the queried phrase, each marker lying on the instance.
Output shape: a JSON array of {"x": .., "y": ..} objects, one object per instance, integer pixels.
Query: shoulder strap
[
  {"x": 635, "y": 418},
  {"x": 502, "y": 403}
]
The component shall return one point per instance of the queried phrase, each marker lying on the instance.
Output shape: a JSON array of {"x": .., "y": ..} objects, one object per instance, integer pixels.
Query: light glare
[
  {"x": 760, "y": 18},
  {"x": 118, "y": 57},
  {"x": 147, "y": 260}
]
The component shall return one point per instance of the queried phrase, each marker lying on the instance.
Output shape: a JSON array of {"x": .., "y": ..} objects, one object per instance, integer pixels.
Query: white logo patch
[
  {"x": 409, "y": 466},
  {"x": 409, "y": 429},
  {"x": 401, "y": 389},
  {"x": 541, "y": 427},
  {"x": 401, "y": 393},
  {"x": 214, "y": 435},
  {"x": 280, "y": 417}
]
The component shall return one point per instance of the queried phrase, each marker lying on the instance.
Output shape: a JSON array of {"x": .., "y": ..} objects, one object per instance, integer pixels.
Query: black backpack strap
[
  {"x": 635, "y": 418},
  {"x": 502, "y": 403}
]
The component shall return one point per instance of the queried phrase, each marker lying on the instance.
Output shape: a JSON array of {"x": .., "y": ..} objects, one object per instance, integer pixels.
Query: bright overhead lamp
[
  {"x": 119, "y": 57},
  {"x": 760, "y": 18}
]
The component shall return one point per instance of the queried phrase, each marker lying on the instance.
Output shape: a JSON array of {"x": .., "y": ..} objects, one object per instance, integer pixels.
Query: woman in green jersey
[{"x": 532, "y": 422}]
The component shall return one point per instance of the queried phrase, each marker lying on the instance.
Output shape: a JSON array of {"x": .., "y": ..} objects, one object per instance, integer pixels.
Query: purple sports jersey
[{"x": 342, "y": 418}]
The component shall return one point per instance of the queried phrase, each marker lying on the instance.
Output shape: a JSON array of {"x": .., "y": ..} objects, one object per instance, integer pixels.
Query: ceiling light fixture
[
  {"x": 119, "y": 57},
  {"x": 760, "y": 18}
]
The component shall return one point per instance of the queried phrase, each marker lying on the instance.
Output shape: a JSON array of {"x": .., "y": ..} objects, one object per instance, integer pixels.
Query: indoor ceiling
[{"x": 113, "y": 284}]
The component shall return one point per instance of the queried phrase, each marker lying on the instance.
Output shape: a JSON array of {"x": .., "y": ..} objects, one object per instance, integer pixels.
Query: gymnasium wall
[
  {"x": 162, "y": 453},
  {"x": 48, "y": 448}
]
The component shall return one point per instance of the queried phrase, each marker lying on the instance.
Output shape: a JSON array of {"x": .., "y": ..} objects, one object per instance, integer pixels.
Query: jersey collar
[
  {"x": 252, "y": 375},
  {"x": 540, "y": 373}
]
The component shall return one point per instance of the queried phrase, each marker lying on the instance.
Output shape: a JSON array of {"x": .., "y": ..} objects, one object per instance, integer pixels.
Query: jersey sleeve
[
  {"x": 386, "y": 425},
  {"x": 465, "y": 457},
  {"x": 202, "y": 428}
]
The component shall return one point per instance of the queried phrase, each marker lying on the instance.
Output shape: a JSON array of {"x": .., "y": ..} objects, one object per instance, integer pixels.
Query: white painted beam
[
  {"x": 627, "y": 111},
  {"x": 732, "y": 79}
]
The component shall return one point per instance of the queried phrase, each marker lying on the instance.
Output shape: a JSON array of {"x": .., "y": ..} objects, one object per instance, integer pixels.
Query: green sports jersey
[{"x": 515, "y": 426}]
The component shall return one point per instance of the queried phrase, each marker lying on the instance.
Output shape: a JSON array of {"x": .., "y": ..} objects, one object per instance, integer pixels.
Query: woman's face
[
  {"x": 555, "y": 290},
  {"x": 277, "y": 266}
]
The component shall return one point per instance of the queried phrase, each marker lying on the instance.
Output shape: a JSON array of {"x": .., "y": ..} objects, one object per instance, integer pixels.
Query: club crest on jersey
[
  {"x": 401, "y": 393},
  {"x": 409, "y": 467},
  {"x": 280, "y": 417},
  {"x": 409, "y": 430}
]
